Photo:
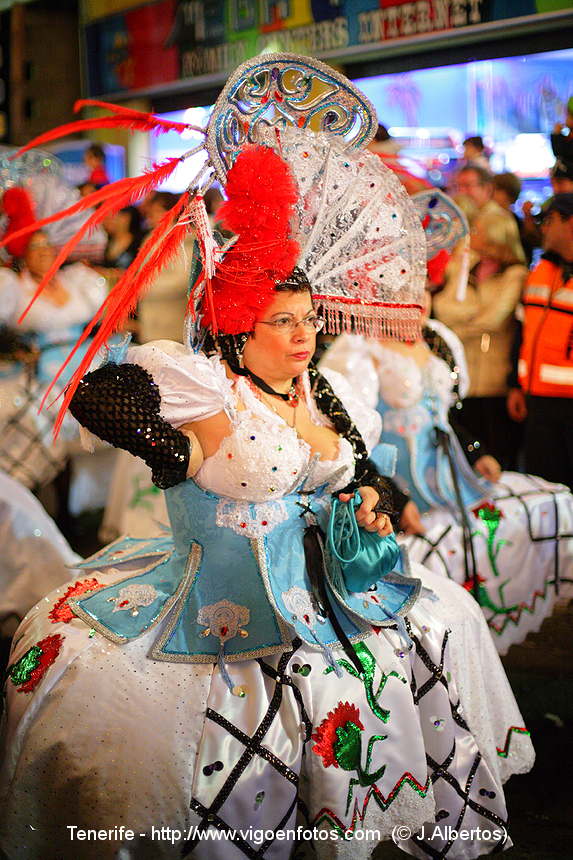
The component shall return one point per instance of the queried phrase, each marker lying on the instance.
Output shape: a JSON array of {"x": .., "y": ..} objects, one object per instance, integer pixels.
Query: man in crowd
[
  {"x": 544, "y": 392},
  {"x": 506, "y": 190},
  {"x": 562, "y": 183},
  {"x": 486, "y": 216},
  {"x": 94, "y": 158},
  {"x": 562, "y": 176},
  {"x": 474, "y": 152},
  {"x": 485, "y": 320},
  {"x": 562, "y": 137}
]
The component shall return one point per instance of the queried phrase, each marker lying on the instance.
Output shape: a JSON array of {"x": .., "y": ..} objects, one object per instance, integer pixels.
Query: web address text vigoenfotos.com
[
  {"x": 254, "y": 835},
  {"x": 257, "y": 836}
]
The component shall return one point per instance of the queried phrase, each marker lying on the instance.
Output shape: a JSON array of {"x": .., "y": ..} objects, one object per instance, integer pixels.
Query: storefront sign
[{"x": 166, "y": 40}]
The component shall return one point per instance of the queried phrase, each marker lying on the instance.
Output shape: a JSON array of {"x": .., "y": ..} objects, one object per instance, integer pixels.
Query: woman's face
[
  {"x": 39, "y": 255},
  {"x": 279, "y": 351}
]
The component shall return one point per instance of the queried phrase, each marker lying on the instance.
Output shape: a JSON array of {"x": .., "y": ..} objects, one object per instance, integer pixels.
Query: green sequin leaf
[
  {"x": 22, "y": 670},
  {"x": 348, "y": 746}
]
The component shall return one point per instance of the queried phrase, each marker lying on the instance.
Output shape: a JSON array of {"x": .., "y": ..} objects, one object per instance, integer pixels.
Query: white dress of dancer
[
  {"x": 521, "y": 526},
  {"x": 106, "y": 733},
  {"x": 28, "y": 451}
]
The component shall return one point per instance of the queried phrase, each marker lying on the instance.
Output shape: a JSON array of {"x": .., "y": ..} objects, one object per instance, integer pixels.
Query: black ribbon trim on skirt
[
  {"x": 443, "y": 441},
  {"x": 313, "y": 543}
]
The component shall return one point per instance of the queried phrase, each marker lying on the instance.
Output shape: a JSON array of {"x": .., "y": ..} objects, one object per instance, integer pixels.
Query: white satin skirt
[
  {"x": 100, "y": 737},
  {"x": 523, "y": 547}
]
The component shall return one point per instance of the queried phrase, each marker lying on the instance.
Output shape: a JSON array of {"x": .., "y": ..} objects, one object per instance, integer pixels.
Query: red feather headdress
[
  {"x": 260, "y": 206},
  {"x": 19, "y": 210},
  {"x": 261, "y": 194},
  {"x": 111, "y": 198},
  {"x": 123, "y": 117}
]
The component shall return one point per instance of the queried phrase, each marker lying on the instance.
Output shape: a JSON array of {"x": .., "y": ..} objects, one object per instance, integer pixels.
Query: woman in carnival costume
[
  {"x": 32, "y": 353},
  {"x": 35, "y": 553},
  {"x": 227, "y": 678},
  {"x": 506, "y": 537}
]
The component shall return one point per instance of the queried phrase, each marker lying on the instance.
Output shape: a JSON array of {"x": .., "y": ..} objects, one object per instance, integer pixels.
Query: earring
[{"x": 240, "y": 343}]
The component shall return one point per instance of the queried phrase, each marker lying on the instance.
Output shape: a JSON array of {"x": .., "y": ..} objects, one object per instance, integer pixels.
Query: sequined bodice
[
  {"x": 263, "y": 458},
  {"x": 404, "y": 385}
]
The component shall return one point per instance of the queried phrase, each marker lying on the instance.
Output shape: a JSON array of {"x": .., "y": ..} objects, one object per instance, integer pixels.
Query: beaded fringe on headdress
[{"x": 393, "y": 322}]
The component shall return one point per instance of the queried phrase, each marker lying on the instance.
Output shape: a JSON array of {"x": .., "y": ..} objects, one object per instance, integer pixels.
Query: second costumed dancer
[
  {"x": 506, "y": 537},
  {"x": 232, "y": 676}
]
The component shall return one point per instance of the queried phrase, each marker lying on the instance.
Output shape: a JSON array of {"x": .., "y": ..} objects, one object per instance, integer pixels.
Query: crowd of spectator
[{"x": 516, "y": 320}]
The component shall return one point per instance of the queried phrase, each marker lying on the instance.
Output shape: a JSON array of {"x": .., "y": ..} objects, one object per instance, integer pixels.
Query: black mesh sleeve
[
  {"x": 120, "y": 404},
  {"x": 399, "y": 500}
]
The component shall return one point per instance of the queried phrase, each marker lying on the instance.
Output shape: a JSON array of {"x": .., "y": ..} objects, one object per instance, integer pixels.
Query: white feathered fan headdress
[{"x": 362, "y": 245}]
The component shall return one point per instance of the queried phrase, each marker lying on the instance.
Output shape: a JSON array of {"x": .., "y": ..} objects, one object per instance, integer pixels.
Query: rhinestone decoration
[
  {"x": 278, "y": 90},
  {"x": 348, "y": 238},
  {"x": 443, "y": 221}
]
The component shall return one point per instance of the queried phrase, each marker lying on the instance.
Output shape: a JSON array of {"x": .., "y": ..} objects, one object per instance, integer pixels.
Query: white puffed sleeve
[
  {"x": 192, "y": 386},
  {"x": 367, "y": 420},
  {"x": 458, "y": 353},
  {"x": 350, "y": 355}
]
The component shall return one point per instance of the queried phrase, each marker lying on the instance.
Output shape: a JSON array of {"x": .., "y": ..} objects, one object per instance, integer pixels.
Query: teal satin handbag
[{"x": 363, "y": 556}]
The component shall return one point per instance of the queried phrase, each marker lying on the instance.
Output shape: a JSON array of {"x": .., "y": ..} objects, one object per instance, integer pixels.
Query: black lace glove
[
  {"x": 390, "y": 501},
  {"x": 120, "y": 404},
  {"x": 399, "y": 500}
]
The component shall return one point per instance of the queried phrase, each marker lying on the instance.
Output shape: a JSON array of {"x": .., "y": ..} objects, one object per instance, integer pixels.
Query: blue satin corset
[
  {"x": 223, "y": 591},
  {"x": 422, "y": 467}
]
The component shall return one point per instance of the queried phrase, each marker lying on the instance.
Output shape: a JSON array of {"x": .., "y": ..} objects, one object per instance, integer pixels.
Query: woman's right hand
[
  {"x": 366, "y": 515},
  {"x": 516, "y": 405}
]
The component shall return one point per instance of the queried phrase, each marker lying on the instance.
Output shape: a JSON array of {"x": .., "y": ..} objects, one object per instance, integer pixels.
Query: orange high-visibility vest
[{"x": 546, "y": 358}]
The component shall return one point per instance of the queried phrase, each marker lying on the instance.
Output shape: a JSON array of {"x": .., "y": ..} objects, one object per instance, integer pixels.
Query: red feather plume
[
  {"x": 155, "y": 253},
  {"x": 261, "y": 195},
  {"x": 123, "y": 118},
  {"x": 437, "y": 267},
  {"x": 163, "y": 125}
]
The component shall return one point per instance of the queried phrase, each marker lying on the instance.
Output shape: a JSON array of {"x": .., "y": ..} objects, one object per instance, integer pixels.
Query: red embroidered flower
[
  {"x": 487, "y": 511},
  {"x": 469, "y": 583},
  {"x": 29, "y": 670},
  {"x": 326, "y": 735},
  {"x": 61, "y": 611}
]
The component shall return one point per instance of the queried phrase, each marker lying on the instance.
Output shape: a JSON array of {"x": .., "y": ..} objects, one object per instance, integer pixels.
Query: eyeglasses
[{"x": 287, "y": 323}]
